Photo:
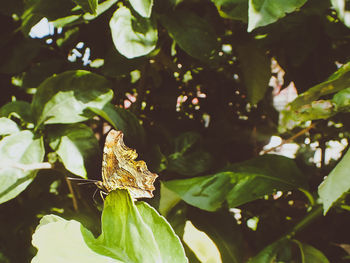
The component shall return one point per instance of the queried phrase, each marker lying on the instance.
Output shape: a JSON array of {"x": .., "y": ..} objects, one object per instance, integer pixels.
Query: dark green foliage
[{"x": 189, "y": 84}]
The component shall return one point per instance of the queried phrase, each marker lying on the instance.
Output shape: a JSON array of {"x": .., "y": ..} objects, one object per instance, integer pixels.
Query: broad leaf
[
  {"x": 271, "y": 252},
  {"x": 168, "y": 199},
  {"x": 132, "y": 36},
  {"x": 336, "y": 184},
  {"x": 16, "y": 57},
  {"x": 68, "y": 244},
  {"x": 89, "y": 6},
  {"x": 225, "y": 233},
  {"x": 18, "y": 109},
  {"x": 200, "y": 243},
  {"x": 35, "y": 10},
  {"x": 311, "y": 254},
  {"x": 264, "y": 12},
  {"x": 186, "y": 159},
  {"x": 65, "y": 98},
  {"x": 184, "y": 26},
  {"x": 101, "y": 8},
  {"x": 74, "y": 144},
  {"x": 116, "y": 65},
  {"x": 130, "y": 233},
  {"x": 8, "y": 126},
  {"x": 125, "y": 121},
  {"x": 256, "y": 71},
  {"x": 143, "y": 7},
  {"x": 284, "y": 251},
  {"x": 233, "y": 9},
  {"x": 339, "y": 80},
  {"x": 343, "y": 12},
  {"x": 16, "y": 151},
  {"x": 240, "y": 183}
]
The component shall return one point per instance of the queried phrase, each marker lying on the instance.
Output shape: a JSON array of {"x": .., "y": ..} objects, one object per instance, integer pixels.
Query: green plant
[{"x": 194, "y": 86}]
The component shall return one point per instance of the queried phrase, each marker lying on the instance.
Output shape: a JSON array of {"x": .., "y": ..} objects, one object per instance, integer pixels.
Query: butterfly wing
[{"x": 120, "y": 170}]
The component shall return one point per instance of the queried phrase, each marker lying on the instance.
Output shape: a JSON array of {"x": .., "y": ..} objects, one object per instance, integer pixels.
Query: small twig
[
  {"x": 75, "y": 203},
  {"x": 26, "y": 167},
  {"x": 289, "y": 139}
]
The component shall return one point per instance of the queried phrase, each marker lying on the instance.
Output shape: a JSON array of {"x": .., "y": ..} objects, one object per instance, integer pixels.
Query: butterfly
[{"x": 121, "y": 171}]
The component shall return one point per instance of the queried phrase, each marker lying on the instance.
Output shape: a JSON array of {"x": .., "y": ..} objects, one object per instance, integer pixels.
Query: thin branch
[
  {"x": 75, "y": 202},
  {"x": 289, "y": 139}
]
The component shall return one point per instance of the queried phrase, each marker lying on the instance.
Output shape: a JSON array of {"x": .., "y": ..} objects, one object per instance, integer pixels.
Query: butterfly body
[{"x": 121, "y": 171}]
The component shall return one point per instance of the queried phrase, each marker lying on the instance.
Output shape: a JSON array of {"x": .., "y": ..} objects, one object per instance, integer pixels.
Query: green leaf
[
  {"x": 311, "y": 254},
  {"x": 200, "y": 243},
  {"x": 184, "y": 26},
  {"x": 18, "y": 109},
  {"x": 135, "y": 233},
  {"x": 35, "y": 10},
  {"x": 342, "y": 11},
  {"x": 336, "y": 184},
  {"x": 233, "y": 9},
  {"x": 65, "y": 98},
  {"x": 130, "y": 233},
  {"x": 74, "y": 144},
  {"x": 186, "y": 159},
  {"x": 89, "y": 6},
  {"x": 264, "y": 12},
  {"x": 132, "y": 36},
  {"x": 101, "y": 8},
  {"x": 8, "y": 126},
  {"x": 271, "y": 252},
  {"x": 240, "y": 183},
  {"x": 68, "y": 244},
  {"x": 225, "y": 233},
  {"x": 123, "y": 120},
  {"x": 16, "y": 57},
  {"x": 339, "y": 80},
  {"x": 143, "y": 7},
  {"x": 168, "y": 199},
  {"x": 116, "y": 65},
  {"x": 16, "y": 150},
  {"x": 321, "y": 109},
  {"x": 256, "y": 71}
]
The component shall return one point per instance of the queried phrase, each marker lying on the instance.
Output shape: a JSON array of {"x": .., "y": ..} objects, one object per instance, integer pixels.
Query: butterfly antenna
[
  {"x": 94, "y": 195},
  {"x": 82, "y": 179}
]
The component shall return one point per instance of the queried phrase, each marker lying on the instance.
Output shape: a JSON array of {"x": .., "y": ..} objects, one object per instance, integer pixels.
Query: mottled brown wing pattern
[{"x": 120, "y": 170}]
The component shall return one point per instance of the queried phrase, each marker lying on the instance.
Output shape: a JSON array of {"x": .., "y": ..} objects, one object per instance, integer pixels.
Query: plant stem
[{"x": 310, "y": 217}]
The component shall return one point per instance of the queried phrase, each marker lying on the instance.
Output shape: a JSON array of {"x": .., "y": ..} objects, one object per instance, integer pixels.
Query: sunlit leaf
[
  {"x": 65, "y": 98},
  {"x": 74, "y": 144},
  {"x": 343, "y": 12},
  {"x": 143, "y": 7},
  {"x": 339, "y": 80},
  {"x": 336, "y": 184},
  {"x": 132, "y": 36},
  {"x": 8, "y": 126},
  {"x": 264, "y": 12},
  {"x": 16, "y": 151},
  {"x": 88, "y": 5},
  {"x": 200, "y": 243},
  {"x": 68, "y": 244},
  {"x": 130, "y": 233}
]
